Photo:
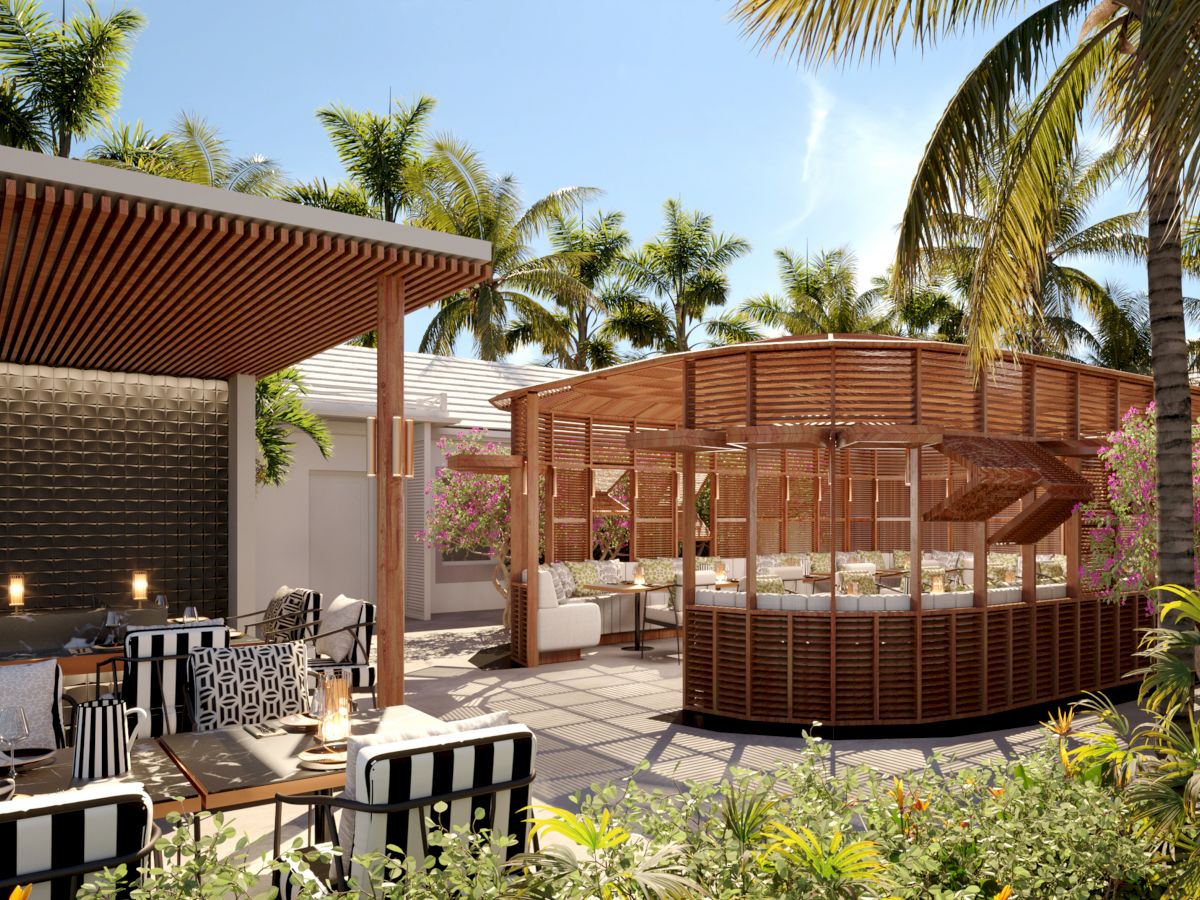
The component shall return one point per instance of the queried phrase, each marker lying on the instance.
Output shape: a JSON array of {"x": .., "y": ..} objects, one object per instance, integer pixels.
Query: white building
[{"x": 318, "y": 529}]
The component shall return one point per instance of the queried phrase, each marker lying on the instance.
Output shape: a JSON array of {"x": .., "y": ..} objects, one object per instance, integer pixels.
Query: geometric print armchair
[
  {"x": 357, "y": 663},
  {"x": 247, "y": 685}
]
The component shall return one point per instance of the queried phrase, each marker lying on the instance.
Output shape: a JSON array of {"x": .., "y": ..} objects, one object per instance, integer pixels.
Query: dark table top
[
  {"x": 231, "y": 768},
  {"x": 149, "y": 764}
]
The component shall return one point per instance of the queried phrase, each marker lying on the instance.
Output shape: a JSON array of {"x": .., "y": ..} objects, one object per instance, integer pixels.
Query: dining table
[{"x": 639, "y": 592}]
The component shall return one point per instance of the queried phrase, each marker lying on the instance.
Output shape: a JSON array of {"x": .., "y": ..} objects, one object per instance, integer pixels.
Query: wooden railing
[{"x": 875, "y": 668}]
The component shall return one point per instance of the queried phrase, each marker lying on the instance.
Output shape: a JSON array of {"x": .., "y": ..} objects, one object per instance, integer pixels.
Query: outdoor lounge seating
[
  {"x": 480, "y": 779},
  {"x": 38, "y": 689},
  {"x": 55, "y": 841}
]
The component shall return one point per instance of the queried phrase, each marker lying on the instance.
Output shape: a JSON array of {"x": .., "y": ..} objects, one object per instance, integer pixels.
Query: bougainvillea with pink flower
[
  {"x": 1123, "y": 526},
  {"x": 468, "y": 512}
]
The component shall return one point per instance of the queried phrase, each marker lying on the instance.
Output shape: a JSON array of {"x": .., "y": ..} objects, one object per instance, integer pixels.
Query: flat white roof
[{"x": 445, "y": 389}]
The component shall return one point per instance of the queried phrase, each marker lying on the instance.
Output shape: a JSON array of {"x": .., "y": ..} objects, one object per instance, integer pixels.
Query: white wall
[{"x": 318, "y": 530}]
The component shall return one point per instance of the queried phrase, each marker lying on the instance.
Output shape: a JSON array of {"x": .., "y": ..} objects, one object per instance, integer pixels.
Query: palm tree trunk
[
  {"x": 1169, "y": 360},
  {"x": 64, "y": 142}
]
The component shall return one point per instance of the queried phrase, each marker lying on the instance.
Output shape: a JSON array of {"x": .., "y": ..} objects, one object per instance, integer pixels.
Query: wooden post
[
  {"x": 914, "y": 529},
  {"x": 1028, "y": 562},
  {"x": 532, "y": 512},
  {"x": 1072, "y": 538},
  {"x": 979, "y": 551},
  {"x": 834, "y": 524},
  {"x": 689, "y": 530},
  {"x": 551, "y": 488},
  {"x": 516, "y": 543},
  {"x": 751, "y": 528},
  {"x": 389, "y": 491}
]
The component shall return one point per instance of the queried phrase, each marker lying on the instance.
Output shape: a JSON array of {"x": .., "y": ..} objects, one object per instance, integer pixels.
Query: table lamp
[
  {"x": 141, "y": 584},
  {"x": 16, "y": 592}
]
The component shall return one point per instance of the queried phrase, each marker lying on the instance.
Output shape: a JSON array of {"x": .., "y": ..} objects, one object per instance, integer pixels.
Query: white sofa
[{"x": 570, "y": 624}]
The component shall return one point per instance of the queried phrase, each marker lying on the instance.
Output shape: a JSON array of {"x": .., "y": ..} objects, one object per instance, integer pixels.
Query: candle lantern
[
  {"x": 333, "y": 725},
  {"x": 639, "y": 575},
  {"x": 719, "y": 570},
  {"x": 141, "y": 584},
  {"x": 16, "y": 592},
  {"x": 937, "y": 583}
]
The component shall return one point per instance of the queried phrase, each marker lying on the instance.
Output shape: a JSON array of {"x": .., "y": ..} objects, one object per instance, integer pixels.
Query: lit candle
[
  {"x": 16, "y": 591},
  {"x": 719, "y": 570},
  {"x": 334, "y": 725},
  {"x": 639, "y": 575},
  {"x": 937, "y": 583}
]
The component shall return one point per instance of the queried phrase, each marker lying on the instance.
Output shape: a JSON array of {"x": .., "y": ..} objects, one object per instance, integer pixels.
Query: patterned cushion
[
  {"x": 874, "y": 557},
  {"x": 584, "y": 573},
  {"x": 611, "y": 571},
  {"x": 820, "y": 562},
  {"x": 244, "y": 685},
  {"x": 37, "y": 689},
  {"x": 284, "y": 619},
  {"x": 160, "y": 687},
  {"x": 564, "y": 585},
  {"x": 768, "y": 585},
  {"x": 342, "y": 613},
  {"x": 927, "y": 573},
  {"x": 659, "y": 571},
  {"x": 1052, "y": 570},
  {"x": 863, "y": 581},
  {"x": 1000, "y": 566},
  {"x": 96, "y": 823},
  {"x": 900, "y": 559}
]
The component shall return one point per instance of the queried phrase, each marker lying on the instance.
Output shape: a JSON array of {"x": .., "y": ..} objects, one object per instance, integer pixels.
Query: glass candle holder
[
  {"x": 937, "y": 584},
  {"x": 719, "y": 570},
  {"x": 639, "y": 575},
  {"x": 334, "y": 724}
]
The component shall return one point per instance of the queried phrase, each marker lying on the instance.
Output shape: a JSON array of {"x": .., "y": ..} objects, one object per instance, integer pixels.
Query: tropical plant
[
  {"x": 1123, "y": 522},
  {"x": 592, "y": 253},
  {"x": 60, "y": 80},
  {"x": 932, "y": 308},
  {"x": 1119, "y": 337},
  {"x": 279, "y": 412},
  {"x": 683, "y": 271},
  {"x": 1138, "y": 63},
  {"x": 468, "y": 512},
  {"x": 343, "y": 197},
  {"x": 820, "y": 296},
  {"x": 1047, "y": 320},
  {"x": 457, "y": 194},
  {"x": 193, "y": 151}
]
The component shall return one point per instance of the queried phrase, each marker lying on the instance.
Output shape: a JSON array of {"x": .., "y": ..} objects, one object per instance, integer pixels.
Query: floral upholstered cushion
[
  {"x": 927, "y": 573},
  {"x": 583, "y": 573},
  {"x": 564, "y": 584},
  {"x": 1052, "y": 570},
  {"x": 900, "y": 559},
  {"x": 874, "y": 557},
  {"x": 706, "y": 563},
  {"x": 819, "y": 562},
  {"x": 1000, "y": 566},
  {"x": 768, "y": 585},
  {"x": 859, "y": 582},
  {"x": 659, "y": 571},
  {"x": 611, "y": 571}
]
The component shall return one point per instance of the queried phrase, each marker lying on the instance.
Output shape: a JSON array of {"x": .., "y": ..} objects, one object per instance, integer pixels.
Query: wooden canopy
[{"x": 102, "y": 268}]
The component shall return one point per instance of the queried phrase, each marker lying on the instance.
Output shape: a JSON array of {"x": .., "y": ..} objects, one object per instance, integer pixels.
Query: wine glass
[
  {"x": 190, "y": 614},
  {"x": 13, "y": 729}
]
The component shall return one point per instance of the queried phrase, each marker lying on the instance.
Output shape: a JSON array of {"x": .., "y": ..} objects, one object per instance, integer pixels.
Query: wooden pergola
[
  {"x": 106, "y": 269},
  {"x": 828, "y": 443}
]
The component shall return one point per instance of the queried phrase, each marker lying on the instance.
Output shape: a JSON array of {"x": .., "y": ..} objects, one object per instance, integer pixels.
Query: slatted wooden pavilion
[
  {"x": 118, "y": 271},
  {"x": 826, "y": 443}
]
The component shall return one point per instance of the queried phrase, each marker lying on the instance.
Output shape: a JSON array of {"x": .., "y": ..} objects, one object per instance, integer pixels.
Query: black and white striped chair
[
  {"x": 357, "y": 666},
  {"x": 54, "y": 841},
  {"x": 398, "y": 785},
  {"x": 154, "y": 672}
]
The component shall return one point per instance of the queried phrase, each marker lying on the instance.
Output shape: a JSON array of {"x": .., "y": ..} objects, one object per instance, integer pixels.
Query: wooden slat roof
[{"x": 102, "y": 268}]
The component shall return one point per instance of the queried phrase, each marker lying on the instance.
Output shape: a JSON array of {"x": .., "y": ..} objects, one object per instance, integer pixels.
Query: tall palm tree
[
  {"x": 932, "y": 308},
  {"x": 456, "y": 193},
  {"x": 592, "y": 251},
  {"x": 380, "y": 153},
  {"x": 1139, "y": 63},
  {"x": 684, "y": 268},
  {"x": 820, "y": 296},
  {"x": 60, "y": 80},
  {"x": 192, "y": 151},
  {"x": 1048, "y": 318}
]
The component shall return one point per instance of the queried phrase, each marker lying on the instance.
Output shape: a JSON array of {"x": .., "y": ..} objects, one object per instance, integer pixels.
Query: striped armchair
[
  {"x": 54, "y": 841},
  {"x": 488, "y": 770},
  {"x": 154, "y": 670}
]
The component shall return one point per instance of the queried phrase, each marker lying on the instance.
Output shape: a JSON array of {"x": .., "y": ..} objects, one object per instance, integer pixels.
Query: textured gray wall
[{"x": 102, "y": 474}]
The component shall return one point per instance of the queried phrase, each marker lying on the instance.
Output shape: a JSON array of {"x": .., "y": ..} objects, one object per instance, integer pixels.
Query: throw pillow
[
  {"x": 563, "y": 585},
  {"x": 244, "y": 685},
  {"x": 284, "y": 618},
  {"x": 35, "y": 687},
  {"x": 871, "y": 556},
  {"x": 1052, "y": 570},
  {"x": 820, "y": 563},
  {"x": 864, "y": 582},
  {"x": 611, "y": 571},
  {"x": 768, "y": 585},
  {"x": 900, "y": 559},
  {"x": 331, "y": 641},
  {"x": 584, "y": 573},
  {"x": 394, "y": 734}
]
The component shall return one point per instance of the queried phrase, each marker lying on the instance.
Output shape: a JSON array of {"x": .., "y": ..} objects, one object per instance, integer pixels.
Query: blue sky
[{"x": 646, "y": 100}]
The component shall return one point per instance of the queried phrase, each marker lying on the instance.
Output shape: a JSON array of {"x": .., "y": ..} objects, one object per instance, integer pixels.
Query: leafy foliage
[{"x": 279, "y": 411}]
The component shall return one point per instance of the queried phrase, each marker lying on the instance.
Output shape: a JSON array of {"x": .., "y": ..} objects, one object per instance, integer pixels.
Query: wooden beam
[
  {"x": 914, "y": 529},
  {"x": 751, "y": 586},
  {"x": 680, "y": 439},
  {"x": 778, "y": 435},
  {"x": 486, "y": 463},
  {"x": 389, "y": 493}
]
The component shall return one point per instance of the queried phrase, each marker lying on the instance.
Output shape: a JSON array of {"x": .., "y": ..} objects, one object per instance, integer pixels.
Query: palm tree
[
  {"x": 684, "y": 268},
  {"x": 820, "y": 297},
  {"x": 932, "y": 308},
  {"x": 192, "y": 151},
  {"x": 1048, "y": 318},
  {"x": 381, "y": 153},
  {"x": 1139, "y": 63},
  {"x": 60, "y": 80},
  {"x": 279, "y": 411},
  {"x": 456, "y": 193},
  {"x": 592, "y": 251}
]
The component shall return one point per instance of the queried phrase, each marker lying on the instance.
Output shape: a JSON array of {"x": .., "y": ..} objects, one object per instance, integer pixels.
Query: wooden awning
[
  {"x": 1005, "y": 471},
  {"x": 108, "y": 269}
]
